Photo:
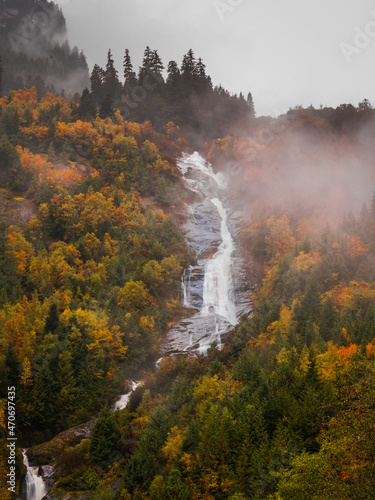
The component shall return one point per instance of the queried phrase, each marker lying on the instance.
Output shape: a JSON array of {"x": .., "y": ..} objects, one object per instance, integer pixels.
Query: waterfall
[
  {"x": 218, "y": 282},
  {"x": 121, "y": 403},
  {"x": 35, "y": 485},
  {"x": 215, "y": 287}
]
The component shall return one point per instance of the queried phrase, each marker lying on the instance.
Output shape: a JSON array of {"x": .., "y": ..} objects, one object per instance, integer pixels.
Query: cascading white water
[
  {"x": 121, "y": 403},
  {"x": 35, "y": 485},
  {"x": 218, "y": 281},
  {"x": 210, "y": 287}
]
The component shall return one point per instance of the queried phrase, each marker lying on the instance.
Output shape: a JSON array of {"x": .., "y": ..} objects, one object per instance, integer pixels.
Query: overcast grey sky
[{"x": 286, "y": 52}]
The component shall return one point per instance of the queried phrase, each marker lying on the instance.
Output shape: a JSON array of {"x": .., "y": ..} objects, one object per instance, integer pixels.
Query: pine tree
[
  {"x": 129, "y": 74},
  {"x": 106, "y": 108},
  {"x": 201, "y": 69},
  {"x": 146, "y": 64},
  {"x": 97, "y": 81},
  {"x": 188, "y": 66},
  {"x": 156, "y": 64},
  {"x": 67, "y": 383},
  {"x": 173, "y": 73},
  {"x": 250, "y": 104},
  {"x": 86, "y": 108},
  {"x": 111, "y": 83},
  {"x": 104, "y": 436}
]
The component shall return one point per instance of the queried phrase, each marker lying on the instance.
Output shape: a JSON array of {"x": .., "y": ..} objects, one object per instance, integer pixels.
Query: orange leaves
[
  {"x": 355, "y": 247},
  {"x": 24, "y": 97},
  {"x": 19, "y": 326},
  {"x": 36, "y": 132},
  {"x": 370, "y": 349},
  {"x": 33, "y": 163},
  {"x": 280, "y": 239},
  {"x": 345, "y": 295},
  {"x": 21, "y": 250},
  {"x": 133, "y": 129},
  {"x": 330, "y": 362},
  {"x": 63, "y": 174},
  {"x": 305, "y": 261},
  {"x": 83, "y": 135}
]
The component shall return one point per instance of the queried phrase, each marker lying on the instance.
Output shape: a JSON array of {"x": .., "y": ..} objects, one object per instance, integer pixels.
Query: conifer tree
[
  {"x": 97, "y": 80},
  {"x": 146, "y": 64},
  {"x": 86, "y": 108},
  {"x": 129, "y": 74},
  {"x": 173, "y": 73},
  {"x": 250, "y": 104},
  {"x": 104, "y": 436},
  {"x": 111, "y": 83},
  {"x": 188, "y": 67},
  {"x": 106, "y": 108},
  {"x": 156, "y": 64}
]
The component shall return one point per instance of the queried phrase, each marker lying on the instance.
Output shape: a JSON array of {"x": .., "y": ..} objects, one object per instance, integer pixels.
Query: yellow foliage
[
  {"x": 3, "y": 409},
  {"x": 212, "y": 389},
  {"x": 305, "y": 261},
  {"x": 370, "y": 349},
  {"x": 334, "y": 359},
  {"x": 66, "y": 316},
  {"x": 345, "y": 295},
  {"x": 26, "y": 375},
  {"x": 285, "y": 324},
  {"x": 21, "y": 250},
  {"x": 147, "y": 323},
  {"x": 173, "y": 444},
  {"x": 280, "y": 239}
]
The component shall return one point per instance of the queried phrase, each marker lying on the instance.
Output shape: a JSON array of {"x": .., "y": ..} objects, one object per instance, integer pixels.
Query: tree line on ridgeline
[{"x": 186, "y": 96}]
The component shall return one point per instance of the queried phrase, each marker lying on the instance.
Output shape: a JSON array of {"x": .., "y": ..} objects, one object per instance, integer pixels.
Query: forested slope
[{"x": 89, "y": 285}]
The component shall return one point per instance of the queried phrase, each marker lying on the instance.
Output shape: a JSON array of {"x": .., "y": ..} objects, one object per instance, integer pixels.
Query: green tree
[
  {"x": 104, "y": 437},
  {"x": 250, "y": 104},
  {"x": 86, "y": 109},
  {"x": 9, "y": 159},
  {"x": 111, "y": 83},
  {"x": 106, "y": 108},
  {"x": 129, "y": 74},
  {"x": 97, "y": 83}
]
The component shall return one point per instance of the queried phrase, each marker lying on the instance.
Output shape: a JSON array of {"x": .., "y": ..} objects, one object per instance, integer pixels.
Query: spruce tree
[
  {"x": 129, "y": 74},
  {"x": 250, "y": 104},
  {"x": 173, "y": 73},
  {"x": 111, "y": 83},
  {"x": 104, "y": 436},
  {"x": 188, "y": 67},
  {"x": 156, "y": 64},
  {"x": 97, "y": 83},
  {"x": 106, "y": 109},
  {"x": 86, "y": 108},
  {"x": 146, "y": 64}
]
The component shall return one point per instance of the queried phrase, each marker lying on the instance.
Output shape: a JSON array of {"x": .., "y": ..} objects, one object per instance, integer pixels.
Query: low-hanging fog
[{"x": 302, "y": 165}]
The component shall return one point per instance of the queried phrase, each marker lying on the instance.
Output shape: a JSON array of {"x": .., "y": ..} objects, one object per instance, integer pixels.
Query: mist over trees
[
  {"x": 91, "y": 258},
  {"x": 35, "y": 50},
  {"x": 185, "y": 96}
]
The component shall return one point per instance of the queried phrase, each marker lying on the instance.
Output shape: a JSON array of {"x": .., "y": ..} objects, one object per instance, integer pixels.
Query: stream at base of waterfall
[{"x": 216, "y": 287}]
